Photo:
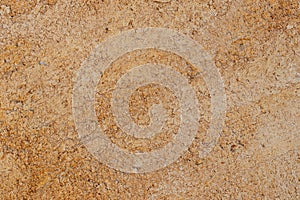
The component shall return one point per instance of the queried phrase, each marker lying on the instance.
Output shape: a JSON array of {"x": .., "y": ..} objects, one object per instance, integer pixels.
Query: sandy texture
[{"x": 254, "y": 45}]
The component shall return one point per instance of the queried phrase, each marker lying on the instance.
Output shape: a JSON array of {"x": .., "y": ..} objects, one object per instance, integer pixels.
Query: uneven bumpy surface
[{"x": 255, "y": 45}]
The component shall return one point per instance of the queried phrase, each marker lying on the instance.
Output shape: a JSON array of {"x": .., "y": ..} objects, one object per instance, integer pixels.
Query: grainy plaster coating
[{"x": 255, "y": 47}]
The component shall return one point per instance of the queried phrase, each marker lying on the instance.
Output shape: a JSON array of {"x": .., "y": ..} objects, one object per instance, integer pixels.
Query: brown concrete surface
[{"x": 255, "y": 47}]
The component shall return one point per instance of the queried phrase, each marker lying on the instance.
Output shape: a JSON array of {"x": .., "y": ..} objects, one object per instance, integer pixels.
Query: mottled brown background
[{"x": 255, "y": 45}]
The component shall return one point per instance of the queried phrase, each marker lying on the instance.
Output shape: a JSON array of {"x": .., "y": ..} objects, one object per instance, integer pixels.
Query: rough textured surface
[{"x": 255, "y": 45}]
